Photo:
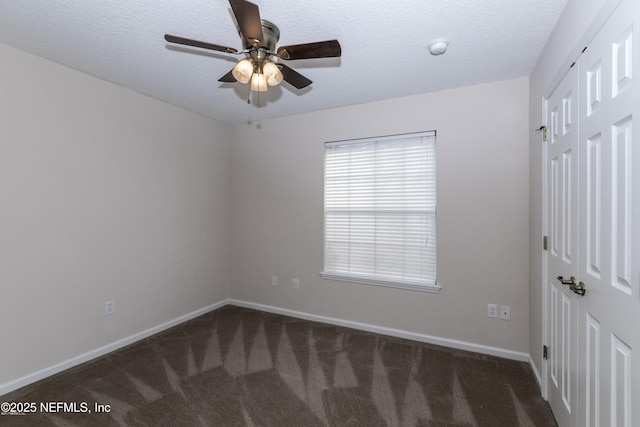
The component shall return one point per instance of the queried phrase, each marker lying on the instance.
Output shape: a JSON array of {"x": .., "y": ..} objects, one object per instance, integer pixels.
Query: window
[{"x": 380, "y": 211}]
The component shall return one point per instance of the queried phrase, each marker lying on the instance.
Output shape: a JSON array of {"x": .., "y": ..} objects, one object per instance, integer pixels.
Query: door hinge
[
  {"x": 545, "y": 352},
  {"x": 545, "y": 132},
  {"x": 545, "y": 242}
]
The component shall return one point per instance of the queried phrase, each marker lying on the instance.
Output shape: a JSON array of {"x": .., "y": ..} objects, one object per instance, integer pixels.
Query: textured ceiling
[{"x": 384, "y": 47}]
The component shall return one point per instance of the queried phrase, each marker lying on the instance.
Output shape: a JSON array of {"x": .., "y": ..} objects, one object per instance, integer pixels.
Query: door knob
[
  {"x": 579, "y": 289},
  {"x": 570, "y": 281}
]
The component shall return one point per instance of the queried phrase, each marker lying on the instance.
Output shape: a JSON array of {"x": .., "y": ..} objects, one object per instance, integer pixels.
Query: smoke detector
[{"x": 438, "y": 46}]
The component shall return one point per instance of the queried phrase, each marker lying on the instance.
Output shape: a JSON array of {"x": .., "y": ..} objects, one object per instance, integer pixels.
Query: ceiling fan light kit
[
  {"x": 242, "y": 71},
  {"x": 273, "y": 73},
  {"x": 258, "y": 82},
  {"x": 259, "y": 39}
]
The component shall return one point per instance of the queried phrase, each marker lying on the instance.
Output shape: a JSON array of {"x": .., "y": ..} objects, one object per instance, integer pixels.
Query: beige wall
[
  {"x": 562, "y": 48},
  {"x": 277, "y": 202},
  {"x": 131, "y": 202},
  {"x": 106, "y": 195}
]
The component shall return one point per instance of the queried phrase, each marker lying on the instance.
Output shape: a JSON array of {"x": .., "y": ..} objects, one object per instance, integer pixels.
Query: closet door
[
  {"x": 562, "y": 254},
  {"x": 609, "y": 221}
]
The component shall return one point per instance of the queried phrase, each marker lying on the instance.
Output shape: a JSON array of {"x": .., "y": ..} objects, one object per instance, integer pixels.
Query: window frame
[{"x": 373, "y": 279}]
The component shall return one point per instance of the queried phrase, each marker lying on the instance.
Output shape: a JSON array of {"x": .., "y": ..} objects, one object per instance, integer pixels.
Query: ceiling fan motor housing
[{"x": 270, "y": 35}]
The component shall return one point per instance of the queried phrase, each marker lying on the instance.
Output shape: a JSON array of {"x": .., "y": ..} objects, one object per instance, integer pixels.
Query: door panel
[
  {"x": 592, "y": 397},
  {"x": 562, "y": 206},
  {"x": 608, "y": 249}
]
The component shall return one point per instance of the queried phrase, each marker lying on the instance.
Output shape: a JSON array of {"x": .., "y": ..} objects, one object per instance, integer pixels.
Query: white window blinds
[{"x": 380, "y": 211}]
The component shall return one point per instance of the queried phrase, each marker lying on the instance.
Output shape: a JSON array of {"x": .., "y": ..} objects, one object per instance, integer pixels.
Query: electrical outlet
[
  {"x": 505, "y": 312},
  {"x": 296, "y": 284},
  {"x": 109, "y": 308},
  {"x": 492, "y": 310},
  {"x": 274, "y": 280}
]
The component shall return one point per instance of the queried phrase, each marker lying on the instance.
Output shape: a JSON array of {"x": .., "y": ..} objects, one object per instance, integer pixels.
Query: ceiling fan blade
[
  {"x": 228, "y": 78},
  {"x": 248, "y": 17},
  {"x": 326, "y": 49},
  {"x": 293, "y": 77},
  {"x": 196, "y": 43}
]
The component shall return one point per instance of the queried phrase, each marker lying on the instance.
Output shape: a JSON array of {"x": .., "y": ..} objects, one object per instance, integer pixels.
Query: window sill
[{"x": 434, "y": 289}]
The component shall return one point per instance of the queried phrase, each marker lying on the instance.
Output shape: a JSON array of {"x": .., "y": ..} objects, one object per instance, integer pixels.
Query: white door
[
  {"x": 562, "y": 254},
  {"x": 594, "y": 340},
  {"x": 609, "y": 217}
]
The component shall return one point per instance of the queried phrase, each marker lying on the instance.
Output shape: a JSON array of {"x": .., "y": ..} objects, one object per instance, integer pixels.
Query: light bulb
[
  {"x": 258, "y": 82},
  {"x": 242, "y": 71},
  {"x": 273, "y": 74}
]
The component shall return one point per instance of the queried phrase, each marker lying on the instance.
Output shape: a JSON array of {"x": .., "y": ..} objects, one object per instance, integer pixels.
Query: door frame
[{"x": 596, "y": 24}]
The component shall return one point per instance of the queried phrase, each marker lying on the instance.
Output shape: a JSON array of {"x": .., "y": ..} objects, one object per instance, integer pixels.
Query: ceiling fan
[{"x": 259, "y": 48}]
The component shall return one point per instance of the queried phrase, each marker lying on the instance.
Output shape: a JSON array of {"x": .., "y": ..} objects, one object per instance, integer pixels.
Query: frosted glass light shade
[
  {"x": 258, "y": 83},
  {"x": 273, "y": 74},
  {"x": 242, "y": 71}
]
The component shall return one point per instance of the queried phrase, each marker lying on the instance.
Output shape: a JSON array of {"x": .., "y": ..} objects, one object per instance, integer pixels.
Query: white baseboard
[
  {"x": 536, "y": 373},
  {"x": 445, "y": 342},
  {"x": 59, "y": 367}
]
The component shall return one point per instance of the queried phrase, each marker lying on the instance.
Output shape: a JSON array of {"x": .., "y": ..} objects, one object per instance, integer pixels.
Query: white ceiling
[{"x": 384, "y": 47}]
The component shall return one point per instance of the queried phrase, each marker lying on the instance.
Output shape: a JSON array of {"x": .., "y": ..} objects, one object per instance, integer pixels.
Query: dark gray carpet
[{"x": 242, "y": 367}]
